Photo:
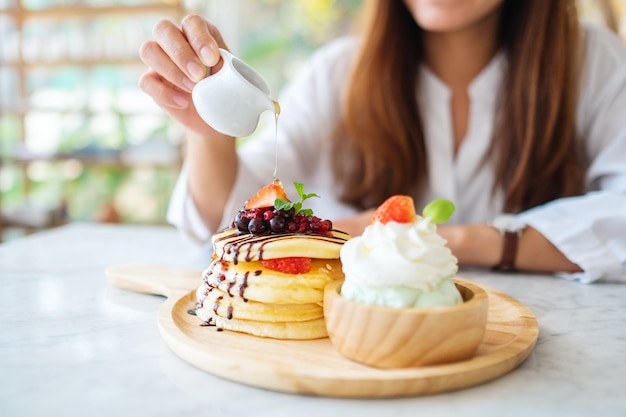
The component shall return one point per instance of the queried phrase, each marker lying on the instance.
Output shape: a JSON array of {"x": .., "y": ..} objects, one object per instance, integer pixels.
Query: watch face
[{"x": 508, "y": 223}]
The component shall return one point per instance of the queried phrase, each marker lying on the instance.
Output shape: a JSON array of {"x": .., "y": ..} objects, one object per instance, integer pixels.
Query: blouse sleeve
[
  {"x": 591, "y": 229},
  {"x": 309, "y": 112}
]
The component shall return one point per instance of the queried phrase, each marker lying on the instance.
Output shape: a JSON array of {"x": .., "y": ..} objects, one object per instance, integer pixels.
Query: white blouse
[{"x": 590, "y": 230}]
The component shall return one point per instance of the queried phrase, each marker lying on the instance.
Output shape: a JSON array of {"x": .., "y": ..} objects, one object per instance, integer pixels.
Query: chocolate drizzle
[
  {"x": 236, "y": 243},
  {"x": 231, "y": 284},
  {"x": 244, "y": 284},
  {"x": 216, "y": 305},
  {"x": 209, "y": 322}
]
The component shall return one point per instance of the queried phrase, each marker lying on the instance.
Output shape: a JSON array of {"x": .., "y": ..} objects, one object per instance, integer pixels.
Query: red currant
[{"x": 326, "y": 226}]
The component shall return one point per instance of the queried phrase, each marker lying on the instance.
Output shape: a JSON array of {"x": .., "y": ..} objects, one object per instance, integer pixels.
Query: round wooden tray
[{"x": 314, "y": 367}]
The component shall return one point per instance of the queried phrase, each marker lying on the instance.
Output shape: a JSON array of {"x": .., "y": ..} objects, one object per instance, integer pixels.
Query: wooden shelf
[
  {"x": 86, "y": 12},
  {"x": 165, "y": 156},
  {"x": 85, "y": 63},
  {"x": 72, "y": 111},
  {"x": 112, "y": 54}
]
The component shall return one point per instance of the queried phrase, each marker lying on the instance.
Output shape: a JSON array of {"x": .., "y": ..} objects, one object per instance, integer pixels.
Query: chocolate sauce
[
  {"x": 216, "y": 305},
  {"x": 230, "y": 287},
  {"x": 244, "y": 284},
  {"x": 260, "y": 251},
  {"x": 238, "y": 243},
  {"x": 209, "y": 322},
  {"x": 229, "y": 312},
  {"x": 207, "y": 290},
  {"x": 235, "y": 254}
]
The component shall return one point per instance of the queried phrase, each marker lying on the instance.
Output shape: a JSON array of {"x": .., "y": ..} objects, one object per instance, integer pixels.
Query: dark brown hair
[{"x": 379, "y": 145}]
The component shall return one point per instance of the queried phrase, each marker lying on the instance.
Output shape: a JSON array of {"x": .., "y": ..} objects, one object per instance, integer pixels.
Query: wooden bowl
[{"x": 386, "y": 337}]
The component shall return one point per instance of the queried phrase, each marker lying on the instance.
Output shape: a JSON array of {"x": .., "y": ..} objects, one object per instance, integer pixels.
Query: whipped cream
[{"x": 400, "y": 265}]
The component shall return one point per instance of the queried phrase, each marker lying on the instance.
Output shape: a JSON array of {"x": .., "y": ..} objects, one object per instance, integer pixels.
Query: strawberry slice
[
  {"x": 266, "y": 196},
  {"x": 294, "y": 265},
  {"x": 397, "y": 208}
]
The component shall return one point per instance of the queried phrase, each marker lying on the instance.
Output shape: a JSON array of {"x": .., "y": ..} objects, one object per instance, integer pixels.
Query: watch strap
[{"x": 509, "y": 251}]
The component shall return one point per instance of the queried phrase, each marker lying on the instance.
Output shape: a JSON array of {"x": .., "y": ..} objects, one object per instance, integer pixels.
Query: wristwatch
[{"x": 511, "y": 229}]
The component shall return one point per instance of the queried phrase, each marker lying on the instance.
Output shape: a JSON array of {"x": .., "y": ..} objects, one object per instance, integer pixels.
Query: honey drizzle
[{"x": 276, "y": 114}]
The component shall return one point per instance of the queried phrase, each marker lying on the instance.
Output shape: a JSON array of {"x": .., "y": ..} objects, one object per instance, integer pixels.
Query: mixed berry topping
[
  {"x": 260, "y": 221},
  {"x": 270, "y": 211}
]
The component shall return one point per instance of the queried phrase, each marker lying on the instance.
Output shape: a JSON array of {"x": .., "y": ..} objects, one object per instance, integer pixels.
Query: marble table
[{"x": 71, "y": 344}]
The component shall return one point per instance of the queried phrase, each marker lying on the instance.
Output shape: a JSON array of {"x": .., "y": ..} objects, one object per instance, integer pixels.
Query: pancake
[
  {"x": 269, "y": 270},
  {"x": 286, "y": 330},
  {"x": 233, "y": 246},
  {"x": 220, "y": 303},
  {"x": 252, "y": 281}
]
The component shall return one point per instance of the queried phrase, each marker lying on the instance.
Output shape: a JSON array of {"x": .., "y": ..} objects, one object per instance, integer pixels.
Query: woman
[{"x": 499, "y": 106}]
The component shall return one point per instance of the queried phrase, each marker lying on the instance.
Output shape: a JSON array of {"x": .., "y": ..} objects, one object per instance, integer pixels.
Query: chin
[{"x": 450, "y": 15}]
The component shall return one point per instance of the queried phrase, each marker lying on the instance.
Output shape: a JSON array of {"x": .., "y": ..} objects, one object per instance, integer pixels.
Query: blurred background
[{"x": 80, "y": 142}]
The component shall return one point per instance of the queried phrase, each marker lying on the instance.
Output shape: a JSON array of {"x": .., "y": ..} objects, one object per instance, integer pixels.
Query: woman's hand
[
  {"x": 481, "y": 245},
  {"x": 178, "y": 58}
]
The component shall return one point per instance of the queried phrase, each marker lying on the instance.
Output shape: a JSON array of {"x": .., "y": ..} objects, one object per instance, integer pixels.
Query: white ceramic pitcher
[{"x": 232, "y": 99}]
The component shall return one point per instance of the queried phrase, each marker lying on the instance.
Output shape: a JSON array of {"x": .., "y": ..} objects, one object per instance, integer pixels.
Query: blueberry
[
  {"x": 277, "y": 224},
  {"x": 241, "y": 222},
  {"x": 257, "y": 226}
]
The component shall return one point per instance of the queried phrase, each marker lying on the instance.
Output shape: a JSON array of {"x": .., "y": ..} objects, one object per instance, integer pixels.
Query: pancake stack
[{"x": 271, "y": 283}]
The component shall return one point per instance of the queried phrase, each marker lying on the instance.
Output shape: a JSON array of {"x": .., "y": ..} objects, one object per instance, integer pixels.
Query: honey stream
[{"x": 276, "y": 114}]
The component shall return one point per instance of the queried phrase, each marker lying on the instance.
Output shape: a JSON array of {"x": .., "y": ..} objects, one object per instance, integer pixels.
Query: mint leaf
[
  {"x": 287, "y": 205},
  {"x": 283, "y": 205},
  {"x": 438, "y": 211},
  {"x": 299, "y": 189}
]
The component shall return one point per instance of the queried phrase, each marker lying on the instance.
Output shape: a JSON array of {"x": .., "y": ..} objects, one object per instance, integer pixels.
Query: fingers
[
  {"x": 202, "y": 35},
  {"x": 163, "y": 93},
  {"x": 178, "y": 58},
  {"x": 154, "y": 57},
  {"x": 175, "y": 45}
]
